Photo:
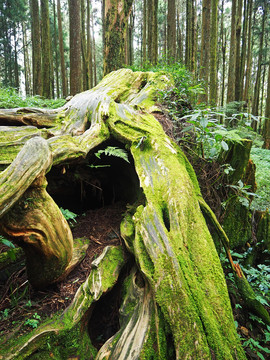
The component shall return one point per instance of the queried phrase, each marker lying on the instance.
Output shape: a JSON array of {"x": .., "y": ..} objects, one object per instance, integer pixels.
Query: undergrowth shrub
[{"x": 9, "y": 98}]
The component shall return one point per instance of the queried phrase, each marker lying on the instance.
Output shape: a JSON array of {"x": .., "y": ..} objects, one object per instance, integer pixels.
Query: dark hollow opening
[
  {"x": 94, "y": 183},
  {"x": 166, "y": 217},
  {"x": 104, "y": 321}
]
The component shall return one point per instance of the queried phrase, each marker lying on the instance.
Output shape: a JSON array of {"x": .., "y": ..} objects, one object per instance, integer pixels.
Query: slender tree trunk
[
  {"x": 61, "y": 49},
  {"x": 194, "y": 37},
  {"x": 171, "y": 31},
  {"x": 94, "y": 51},
  {"x": 89, "y": 47},
  {"x": 16, "y": 66},
  {"x": 213, "y": 53},
  {"x": 205, "y": 49},
  {"x": 75, "y": 46},
  {"x": 84, "y": 47},
  {"x": 232, "y": 59},
  {"x": 223, "y": 51},
  {"x": 256, "y": 96},
  {"x": 188, "y": 45},
  {"x": 267, "y": 115},
  {"x": 145, "y": 25},
  {"x": 179, "y": 46},
  {"x": 244, "y": 49},
  {"x": 238, "y": 51},
  {"x": 249, "y": 54},
  {"x": 46, "y": 72},
  {"x": 56, "y": 51},
  {"x": 36, "y": 48},
  {"x": 26, "y": 60}
]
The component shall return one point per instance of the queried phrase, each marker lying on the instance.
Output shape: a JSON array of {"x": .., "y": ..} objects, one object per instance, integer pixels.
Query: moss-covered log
[{"x": 175, "y": 302}]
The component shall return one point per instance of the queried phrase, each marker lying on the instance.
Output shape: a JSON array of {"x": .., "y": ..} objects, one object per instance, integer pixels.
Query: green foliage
[
  {"x": 69, "y": 216},
  {"x": 4, "y": 314},
  {"x": 113, "y": 151},
  {"x": 9, "y": 98},
  {"x": 259, "y": 278},
  {"x": 177, "y": 98},
  {"x": 11, "y": 246},
  {"x": 255, "y": 346},
  {"x": 33, "y": 322},
  {"x": 261, "y": 158},
  {"x": 242, "y": 193}
]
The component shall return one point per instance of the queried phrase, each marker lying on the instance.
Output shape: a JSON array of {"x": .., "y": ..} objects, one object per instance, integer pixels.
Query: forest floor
[{"x": 19, "y": 302}]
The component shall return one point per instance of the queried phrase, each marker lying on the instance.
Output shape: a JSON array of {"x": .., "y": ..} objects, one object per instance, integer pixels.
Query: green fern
[{"x": 113, "y": 151}]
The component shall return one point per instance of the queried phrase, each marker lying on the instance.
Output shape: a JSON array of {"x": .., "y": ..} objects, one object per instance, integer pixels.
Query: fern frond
[{"x": 113, "y": 151}]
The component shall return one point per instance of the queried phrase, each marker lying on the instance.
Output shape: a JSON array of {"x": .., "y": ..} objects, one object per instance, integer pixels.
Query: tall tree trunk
[
  {"x": 205, "y": 49},
  {"x": 243, "y": 49},
  {"x": 61, "y": 49},
  {"x": 94, "y": 50},
  {"x": 144, "y": 37},
  {"x": 116, "y": 14},
  {"x": 223, "y": 51},
  {"x": 46, "y": 72},
  {"x": 129, "y": 40},
  {"x": 84, "y": 47},
  {"x": 238, "y": 51},
  {"x": 194, "y": 37},
  {"x": 171, "y": 31},
  {"x": 266, "y": 132},
  {"x": 213, "y": 53},
  {"x": 27, "y": 74},
  {"x": 256, "y": 96},
  {"x": 89, "y": 47},
  {"x": 232, "y": 59},
  {"x": 179, "y": 45},
  {"x": 56, "y": 51},
  {"x": 16, "y": 66},
  {"x": 152, "y": 35},
  {"x": 188, "y": 44},
  {"x": 249, "y": 54},
  {"x": 75, "y": 46},
  {"x": 36, "y": 47}
]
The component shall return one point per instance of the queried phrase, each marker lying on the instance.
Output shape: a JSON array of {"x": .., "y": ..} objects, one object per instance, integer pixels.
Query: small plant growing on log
[
  {"x": 113, "y": 151},
  {"x": 33, "y": 322},
  {"x": 69, "y": 216},
  {"x": 11, "y": 246}
]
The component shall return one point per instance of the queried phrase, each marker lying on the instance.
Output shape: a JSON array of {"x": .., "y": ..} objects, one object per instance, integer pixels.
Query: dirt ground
[{"x": 20, "y": 302}]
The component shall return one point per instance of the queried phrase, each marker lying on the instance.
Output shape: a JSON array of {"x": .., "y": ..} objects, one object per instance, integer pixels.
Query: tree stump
[{"x": 175, "y": 302}]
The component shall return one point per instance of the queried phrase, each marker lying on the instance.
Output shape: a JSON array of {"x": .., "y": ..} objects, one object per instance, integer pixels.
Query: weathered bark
[
  {"x": 36, "y": 51},
  {"x": 205, "y": 49},
  {"x": 213, "y": 54},
  {"x": 238, "y": 88},
  {"x": 266, "y": 132},
  {"x": 232, "y": 59},
  {"x": 256, "y": 95},
  {"x": 75, "y": 46},
  {"x": 116, "y": 14},
  {"x": 46, "y": 70},
  {"x": 171, "y": 32},
  {"x": 249, "y": 54},
  {"x": 61, "y": 50},
  {"x": 178, "y": 282}
]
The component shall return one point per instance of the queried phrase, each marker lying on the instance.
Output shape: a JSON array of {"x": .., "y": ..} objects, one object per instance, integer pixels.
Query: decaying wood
[{"x": 175, "y": 301}]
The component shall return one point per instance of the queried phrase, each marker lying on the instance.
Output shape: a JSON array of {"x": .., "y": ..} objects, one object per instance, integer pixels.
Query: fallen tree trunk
[{"x": 175, "y": 302}]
